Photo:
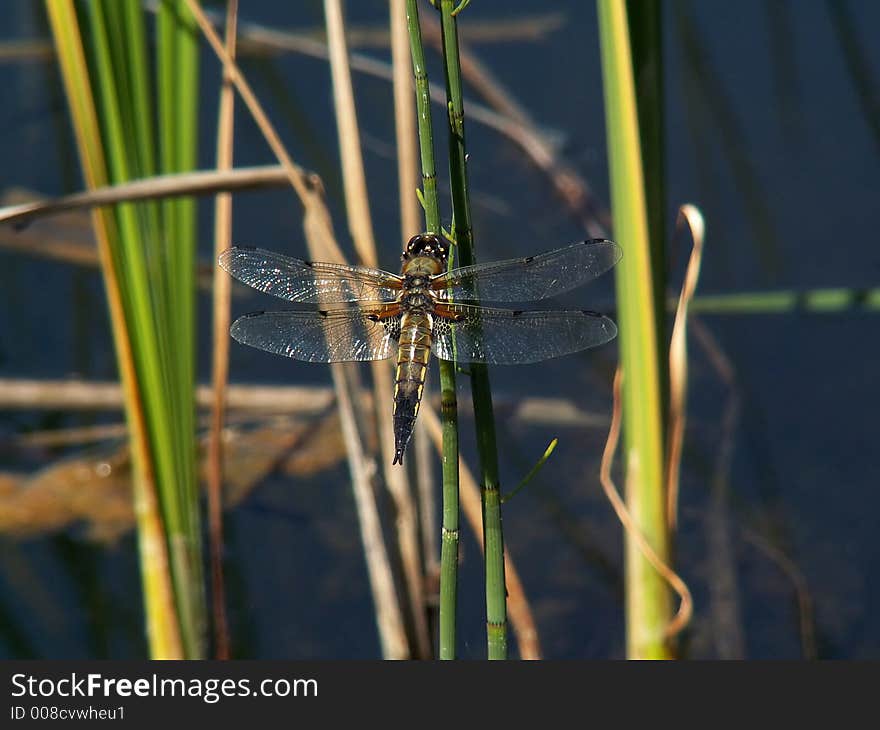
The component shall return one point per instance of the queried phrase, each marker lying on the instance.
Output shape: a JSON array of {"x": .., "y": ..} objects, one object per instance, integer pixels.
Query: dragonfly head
[{"x": 426, "y": 244}]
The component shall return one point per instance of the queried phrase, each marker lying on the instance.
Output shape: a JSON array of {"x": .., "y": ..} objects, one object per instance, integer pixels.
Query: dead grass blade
[
  {"x": 685, "y": 609},
  {"x": 678, "y": 362}
]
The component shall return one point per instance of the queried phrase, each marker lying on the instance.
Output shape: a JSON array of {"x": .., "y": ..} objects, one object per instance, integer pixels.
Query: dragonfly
[{"x": 369, "y": 314}]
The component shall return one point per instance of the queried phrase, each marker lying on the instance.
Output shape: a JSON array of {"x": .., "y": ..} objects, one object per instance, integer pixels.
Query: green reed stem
[
  {"x": 155, "y": 254},
  {"x": 448, "y": 401},
  {"x": 163, "y": 623},
  {"x": 496, "y": 594},
  {"x": 648, "y": 606},
  {"x": 177, "y": 46},
  {"x": 646, "y": 36},
  {"x": 787, "y": 300}
]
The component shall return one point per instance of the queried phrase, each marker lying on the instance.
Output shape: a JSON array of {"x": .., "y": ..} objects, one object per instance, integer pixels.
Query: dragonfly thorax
[
  {"x": 417, "y": 293},
  {"x": 415, "y": 281},
  {"x": 418, "y": 269},
  {"x": 417, "y": 300}
]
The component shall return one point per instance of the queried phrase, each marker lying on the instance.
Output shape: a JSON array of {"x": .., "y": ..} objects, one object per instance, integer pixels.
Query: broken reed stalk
[{"x": 200, "y": 182}]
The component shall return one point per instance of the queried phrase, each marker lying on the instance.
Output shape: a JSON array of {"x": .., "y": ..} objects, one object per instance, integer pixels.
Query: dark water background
[{"x": 772, "y": 128}]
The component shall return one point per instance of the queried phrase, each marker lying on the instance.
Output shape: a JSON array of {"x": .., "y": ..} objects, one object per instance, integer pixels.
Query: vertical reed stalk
[
  {"x": 220, "y": 354},
  {"x": 448, "y": 402},
  {"x": 647, "y": 595},
  {"x": 178, "y": 132},
  {"x": 361, "y": 229},
  {"x": 646, "y": 46},
  {"x": 406, "y": 137},
  {"x": 496, "y": 602},
  {"x": 522, "y": 622}
]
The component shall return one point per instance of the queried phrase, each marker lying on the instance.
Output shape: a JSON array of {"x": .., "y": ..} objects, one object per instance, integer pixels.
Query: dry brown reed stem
[
  {"x": 501, "y": 30},
  {"x": 685, "y": 609},
  {"x": 91, "y": 395},
  {"x": 498, "y": 30},
  {"x": 322, "y": 245},
  {"x": 404, "y": 123},
  {"x": 203, "y": 182},
  {"x": 80, "y": 435},
  {"x": 76, "y": 436},
  {"x": 410, "y": 223},
  {"x": 389, "y": 615},
  {"x": 70, "y": 251},
  {"x": 220, "y": 353},
  {"x": 678, "y": 362},
  {"x": 303, "y": 185},
  {"x": 360, "y": 227},
  {"x": 360, "y": 224},
  {"x": 26, "y": 50},
  {"x": 519, "y": 612}
]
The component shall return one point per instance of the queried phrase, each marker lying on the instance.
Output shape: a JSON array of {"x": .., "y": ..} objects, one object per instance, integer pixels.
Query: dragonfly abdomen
[{"x": 414, "y": 351}]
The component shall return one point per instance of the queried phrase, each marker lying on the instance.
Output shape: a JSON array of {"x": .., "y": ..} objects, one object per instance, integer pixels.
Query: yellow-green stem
[
  {"x": 163, "y": 622},
  {"x": 647, "y": 595}
]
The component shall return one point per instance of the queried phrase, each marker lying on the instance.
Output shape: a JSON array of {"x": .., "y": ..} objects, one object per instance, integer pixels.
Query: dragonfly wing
[
  {"x": 509, "y": 337},
  {"x": 308, "y": 282},
  {"x": 328, "y": 335},
  {"x": 533, "y": 277}
]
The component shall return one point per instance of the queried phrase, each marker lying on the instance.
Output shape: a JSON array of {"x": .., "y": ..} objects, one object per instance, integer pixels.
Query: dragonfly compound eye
[{"x": 426, "y": 244}]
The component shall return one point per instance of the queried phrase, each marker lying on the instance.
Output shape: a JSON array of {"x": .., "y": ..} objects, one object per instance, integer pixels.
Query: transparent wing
[
  {"x": 510, "y": 337},
  {"x": 533, "y": 277},
  {"x": 308, "y": 282},
  {"x": 334, "y": 335}
]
